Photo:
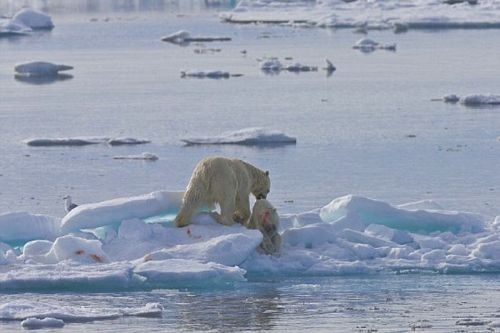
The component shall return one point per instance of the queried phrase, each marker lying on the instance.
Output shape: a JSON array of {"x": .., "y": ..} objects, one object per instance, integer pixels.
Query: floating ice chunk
[
  {"x": 150, "y": 310},
  {"x": 358, "y": 212},
  {"x": 12, "y": 29},
  {"x": 369, "y": 45},
  {"x": 33, "y": 19},
  {"x": 210, "y": 74},
  {"x": 77, "y": 141},
  {"x": 479, "y": 100},
  {"x": 245, "y": 136},
  {"x": 88, "y": 216},
  {"x": 35, "y": 323},
  {"x": 22, "y": 227},
  {"x": 271, "y": 65},
  {"x": 144, "y": 156},
  {"x": 127, "y": 141},
  {"x": 66, "y": 275},
  {"x": 40, "y": 68},
  {"x": 297, "y": 67},
  {"x": 184, "y": 37},
  {"x": 451, "y": 98},
  {"x": 188, "y": 273}
]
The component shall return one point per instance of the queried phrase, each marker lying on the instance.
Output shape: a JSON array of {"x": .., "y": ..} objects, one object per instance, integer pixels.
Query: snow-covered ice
[
  {"x": 40, "y": 68},
  {"x": 245, "y": 136},
  {"x": 370, "y": 14},
  {"x": 90, "y": 248},
  {"x": 144, "y": 156},
  {"x": 182, "y": 37}
]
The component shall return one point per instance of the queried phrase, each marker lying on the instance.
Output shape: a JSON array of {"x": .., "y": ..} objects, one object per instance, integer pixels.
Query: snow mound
[
  {"x": 358, "y": 212},
  {"x": 20, "y": 226},
  {"x": 95, "y": 215},
  {"x": 33, "y": 19},
  {"x": 40, "y": 68},
  {"x": 246, "y": 136},
  {"x": 144, "y": 156},
  {"x": 182, "y": 37},
  {"x": 480, "y": 100}
]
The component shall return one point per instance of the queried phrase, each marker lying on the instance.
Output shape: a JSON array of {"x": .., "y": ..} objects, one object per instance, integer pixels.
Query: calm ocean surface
[{"x": 369, "y": 129}]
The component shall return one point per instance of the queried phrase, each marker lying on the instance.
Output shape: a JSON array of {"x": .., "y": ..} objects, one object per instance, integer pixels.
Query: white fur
[{"x": 227, "y": 182}]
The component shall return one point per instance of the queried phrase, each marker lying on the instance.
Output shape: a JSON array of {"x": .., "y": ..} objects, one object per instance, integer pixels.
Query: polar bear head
[{"x": 261, "y": 185}]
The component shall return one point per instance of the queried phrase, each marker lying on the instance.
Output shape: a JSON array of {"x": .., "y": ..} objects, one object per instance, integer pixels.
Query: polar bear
[
  {"x": 266, "y": 220},
  {"x": 227, "y": 182}
]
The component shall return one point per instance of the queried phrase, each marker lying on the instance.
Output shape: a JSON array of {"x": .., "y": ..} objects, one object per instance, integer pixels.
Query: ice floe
[
  {"x": 368, "y": 45},
  {"x": 83, "y": 141},
  {"x": 246, "y": 136},
  {"x": 40, "y": 68},
  {"x": 33, "y": 19},
  {"x": 479, "y": 100},
  {"x": 369, "y": 14},
  {"x": 475, "y": 100},
  {"x": 273, "y": 65},
  {"x": 132, "y": 243},
  {"x": 53, "y": 313},
  {"x": 144, "y": 156},
  {"x": 182, "y": 37},
  {"x": 207, "y": 74}
]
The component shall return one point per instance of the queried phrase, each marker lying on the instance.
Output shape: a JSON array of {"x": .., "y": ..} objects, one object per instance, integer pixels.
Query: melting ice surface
[{"x": 372, "y": 14}]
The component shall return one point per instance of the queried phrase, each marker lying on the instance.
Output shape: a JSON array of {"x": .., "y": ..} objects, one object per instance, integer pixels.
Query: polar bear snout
[{"x": 261, "y": 196}]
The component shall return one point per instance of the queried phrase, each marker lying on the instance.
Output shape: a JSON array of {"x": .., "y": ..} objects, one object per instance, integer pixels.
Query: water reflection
[
  {"x": 95, "y": 6},
  {"x": 39, "y": 80},
  {"x": 234, "y": 312}
]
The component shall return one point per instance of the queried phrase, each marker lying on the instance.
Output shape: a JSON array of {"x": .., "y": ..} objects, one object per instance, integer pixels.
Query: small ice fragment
[
  {"x": 144, "y": 156},
  {"x": 40, "y": 68},
  {"x": 35, "y": 323},
  {"x": 451, "y": 98}
]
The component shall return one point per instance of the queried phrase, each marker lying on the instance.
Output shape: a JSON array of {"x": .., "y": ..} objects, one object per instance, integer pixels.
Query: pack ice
[{"x": 131, "y": 242}]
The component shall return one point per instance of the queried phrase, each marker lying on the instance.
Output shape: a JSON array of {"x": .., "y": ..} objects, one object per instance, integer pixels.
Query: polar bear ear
[{"x": 267, "y": 173}]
